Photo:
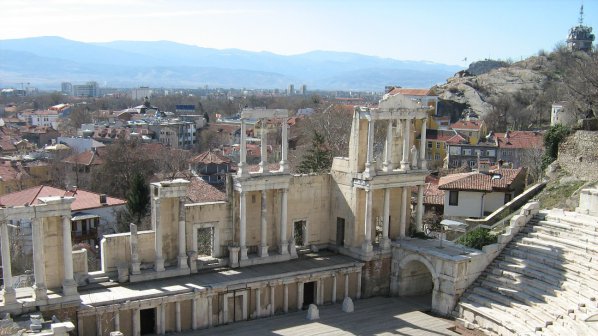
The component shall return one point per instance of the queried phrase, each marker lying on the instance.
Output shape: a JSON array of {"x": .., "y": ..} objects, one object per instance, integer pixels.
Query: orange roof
[
  {"x": 467, "y": 124},
  {"x": 411, "y": 92},
  {"x": 520, "y": 139},
  {"x": 83, "y": 199},
  {"x": 10, "y": 171},
  {"x": 210, "y": 157},
  {"x": 433, "y": 195},
  {"x": 87, "y": 158},
  {"x": 475, "y": 181},
  {"x": 201, "y": 191}
]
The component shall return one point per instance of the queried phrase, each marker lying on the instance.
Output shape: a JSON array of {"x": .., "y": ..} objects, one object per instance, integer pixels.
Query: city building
[
  {"x": 580, "y": 37},
  {"x": 211, "y": 166},
  {"x": 66, "y": 88},
  {"x": 562, "y": 114},
  {"x": 141, "y": 93},
  {"x": 89, "y": 89}
]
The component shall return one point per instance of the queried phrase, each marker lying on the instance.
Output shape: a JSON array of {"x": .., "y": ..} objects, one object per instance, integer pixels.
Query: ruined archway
[{"x": 417, "y": 278}]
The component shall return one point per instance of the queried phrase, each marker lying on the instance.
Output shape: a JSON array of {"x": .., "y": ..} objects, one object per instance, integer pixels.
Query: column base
[
  {"x": 159, "y": 265},
  {"x": 263, "y": 167},
  {"x": 242, "y": 170},
  {"x": 136, "y": 267},
  {"x": 405, "y": 165},
  {"x": 293, "y": 249},
  {"x": 263, "y": 251},
  {"x": 182, "y": 259},
  {"x": 69, "y": 287},
  {"x": 244, "y": 253},
  {"x": 233, "y": 256},
  {"x": 424, "y": 164},
  {"x": 10, "y": 295},
  {"x": 367, "y": 246},
  {"x": 385, "y": 244},
  {"x": 284, "y": 167},
  {"x": 284, "y": 247},
  {"x": 40, "y": 293}
]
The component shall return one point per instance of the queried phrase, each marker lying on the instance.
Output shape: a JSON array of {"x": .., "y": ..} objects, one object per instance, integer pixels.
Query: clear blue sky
[{"x": 441, "y": 31}]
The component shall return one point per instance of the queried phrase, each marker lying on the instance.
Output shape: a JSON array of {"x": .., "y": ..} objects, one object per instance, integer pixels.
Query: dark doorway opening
[
  {"x": 309, "y": 293},
  {"x": 340, "y": 231},
  {"x": 147, "y": 321}
]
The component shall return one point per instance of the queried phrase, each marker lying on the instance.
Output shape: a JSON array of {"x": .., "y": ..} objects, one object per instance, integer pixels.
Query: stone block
[
  {"x": 348, "y": 306},
  {"x": 312, "y": 312},
  {"x": 116, "y": 333},
  {"x": 518, "y": 220},
  {"x": 63, "y": 328}
]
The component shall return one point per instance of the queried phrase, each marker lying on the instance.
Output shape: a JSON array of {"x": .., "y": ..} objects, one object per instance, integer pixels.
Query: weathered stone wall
[
  {"x": 376, "y": 277},
  {"x": 116, "y": 248},
  {"x": 578, "y": 155}
]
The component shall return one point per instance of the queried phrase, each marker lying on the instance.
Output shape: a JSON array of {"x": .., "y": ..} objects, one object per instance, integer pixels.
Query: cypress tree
[
  {"x": 138, "y": 197},
  {"x": 318, "y": 158}
]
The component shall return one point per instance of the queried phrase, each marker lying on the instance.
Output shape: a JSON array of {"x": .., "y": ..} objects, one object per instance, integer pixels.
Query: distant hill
[{"x": 47, "y": 61}]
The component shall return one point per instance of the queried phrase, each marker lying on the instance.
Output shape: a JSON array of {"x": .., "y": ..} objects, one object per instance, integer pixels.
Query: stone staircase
[{"x": 545, "y": 281}]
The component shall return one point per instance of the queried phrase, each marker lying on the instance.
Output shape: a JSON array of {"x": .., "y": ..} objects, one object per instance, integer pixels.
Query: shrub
[{"x": 477, "y": 238}]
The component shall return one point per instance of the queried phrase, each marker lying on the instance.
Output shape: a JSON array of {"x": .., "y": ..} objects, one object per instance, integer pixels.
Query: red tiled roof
[
  {"x": 201, "y": 191},
  {"x": 475, "y": 181},
  {"x": 433, "y": 195},
  {"x": 210, "y": 157},
  {"x": 451, "y": 137},
  {"x": 520, "y": 139},
  {"x": 37, "y": 129},
  {"x": 88, "y": 158},
  {"x": 10, "y": 171},
  {"x": 83, "y": 199},
  {"x": 411, "y": 92},
  {"x": 468, "y": 125}
]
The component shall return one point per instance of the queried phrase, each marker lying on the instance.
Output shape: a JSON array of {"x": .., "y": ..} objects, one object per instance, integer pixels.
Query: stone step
[
  {"x": 531, "y": 264},
  {"x": 493, "y": 320},
  {"x": 555, "y": 249},
  {"x": 541, "y": 275},
  {"x": 582, "y": 245},
  {"x": 565, "y": 227},
  {"x": 574, "y": 218},
  {"x": 556, "y": 262}
]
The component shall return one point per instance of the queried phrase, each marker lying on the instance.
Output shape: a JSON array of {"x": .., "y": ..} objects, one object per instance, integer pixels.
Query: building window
[
  {"x": 429, "y": 144},
  {"x": 508, "y": 198},
  {"x": 438, "y": 145},
  {"x": 436, "y": 157},
  {"x": 472, "y": 163},
  {"x": 454, "y": 197}
]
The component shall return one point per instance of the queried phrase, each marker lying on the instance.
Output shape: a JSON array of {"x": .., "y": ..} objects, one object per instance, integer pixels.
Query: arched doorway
[{"x": 417, "y": 279}]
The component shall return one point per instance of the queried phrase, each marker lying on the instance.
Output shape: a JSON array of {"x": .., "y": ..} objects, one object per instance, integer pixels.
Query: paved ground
[{"x": 375, "y": 316}]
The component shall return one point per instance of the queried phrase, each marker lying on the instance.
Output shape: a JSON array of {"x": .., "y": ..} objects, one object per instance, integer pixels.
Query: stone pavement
[{"x": 374, "y": 316}]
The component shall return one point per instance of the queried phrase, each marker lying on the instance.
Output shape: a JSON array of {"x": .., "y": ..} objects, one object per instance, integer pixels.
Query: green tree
[
  {"x": 552, "y": 139},
  {"x": 318, "y": 158},
  {"x": 138, "y": 198}
]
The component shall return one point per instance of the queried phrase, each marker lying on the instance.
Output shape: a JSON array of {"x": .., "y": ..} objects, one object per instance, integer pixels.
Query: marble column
[
  {"x": 404, "y": 218},
  {"x": 243, "y": 224},
  {"x": 334, "y": 288},
  {"x": 299, "y": 295},
  {"x": 358, "y": 294},
  {"x": 370, "y": 170},
  {"x": 136, "y": 322},
  {"x": 258, "y": 302},
  {"x": 272, "y": 300},
  {"x": 194, "y": 313},
  {"x": 285, "y": 302},
  {"x": 387, "y": 165},
  {"x": 159, "y": 263},
  {"x": 420, "y": 207},
  {"x": 422, "y": 146},
  {"x": 210, "y": 312},
  {"x": 117, "y": 320},
  {"x": 346, "y": 285},
  {"x": 182, "y": 257},
  {"x": 99, "y": 325},
  {"x": 263, "y": 251},
  {"x": 8, "y": 292},
  {"x": 284, "y": 240},
  {"x": 177, "y": 316},
  {"x": 69, "y": 286},
  {"x": 135, "y": 263},
  {"x": 242, "y": 169},
  {"x": 162, "y": 319},
  {"x": 367, "y": 243},
  {"x": 284, "y": 166},
  {"x": 39, "y": 265},
  {"x": 406, "y": 136},
  {"x": 385, "y": 241},
  {"x": 263, "y": 147}
]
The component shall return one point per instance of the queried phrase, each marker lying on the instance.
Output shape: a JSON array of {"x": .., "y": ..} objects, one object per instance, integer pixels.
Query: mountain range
[{"x": 46, "y": 61}]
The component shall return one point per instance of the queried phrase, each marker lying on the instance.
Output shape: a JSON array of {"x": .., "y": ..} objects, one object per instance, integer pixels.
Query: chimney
[
  {"x": 103, "y": 199},
  {"x": 484, "y": 166}
]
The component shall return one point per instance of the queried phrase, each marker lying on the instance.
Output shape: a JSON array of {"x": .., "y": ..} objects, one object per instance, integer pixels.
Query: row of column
[
  {"x": 388, "y": 165},
  {"x": 69, "y": 286},
  {"x": 263, "y": 165},
  {"x": 263, "y": 247},
  {"x": 403, "y": 220},
  {"x": 182, "y": 244}
]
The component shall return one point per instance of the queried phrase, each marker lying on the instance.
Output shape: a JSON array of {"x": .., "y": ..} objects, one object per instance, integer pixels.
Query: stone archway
[{"x": 416, "y": 276}]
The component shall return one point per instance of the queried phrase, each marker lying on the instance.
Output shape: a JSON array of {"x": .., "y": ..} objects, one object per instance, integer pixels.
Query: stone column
[
  {"x": 210, "y": 312},
  {"x": 334, "y": 288},
  {"x": 285, "y": 302},
  {"x": 99, "y": 325},
  {"x": 135, "y": 323},
  {"x": 369, "y": 169},
  {"x": 177, "y": 316},
  {"x": 162, "y": 318},
  {"x": 80, "y": 325},
  {"x": 182, "y": 257},
  {"x": 69, "y": 286},
  {"x": 284, "y": 166},
  {"x": 404, "y": 218},
  {"x": 385, "y": 241},
  {"x": 406, "y": 136},
  {"x": 263, "y": 147},
  {"x": 8, "y": 292},
  {"x": 159, "y": 263},
  {"x": 299, "y": 295},
  {"x": 263, "y": 251},
  {"x": 420, "y": 207},
  {"x": 284, "y": 241},
  {"x": 367, "y": 243},
  {"x": 358, "y": 294},
  {"x": 194, "y": 313},
  {"x": 39, "y": 266},
  {"x": 258, "y": 302},
  {"x": 117, "y": 320},
  {"x": 346, "y": 285},
  {"x": 422, "y": 146},
  {"x": 243, "y": 224},
  {"x": 242, "y": 167},
  {"x": 387, "y": 165},
  {"x": 135, "y": 263},
  {"x": 272, "y": 300}
]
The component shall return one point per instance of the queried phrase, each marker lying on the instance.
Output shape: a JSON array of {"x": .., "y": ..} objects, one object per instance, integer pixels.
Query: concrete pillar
[
  {"x": 284, "y": 166},
  {"x": 263, "y": 251},
  {"x": 136, "y": 323},
  {"x": 285, "y": 302},
  {"x": 299, "y": 295},
  {"x": 135, "y": 263},
  {"x": 194, "y": 313},
  {"x": 116, "y": 320},
  {"x": 385, "y": 241},
  {"x": 423, "y": 163},
  {"x": 406, "y": 136},
  {"x": 420, "y": 207},
  {"x": 334, "y": 288},
  {"x": 69, "y": 286},
  {"x": 387, "y": 165},
  {"x": 210, "y": 312},
  {"x": 39, "y": 266},
  {"x": 177, "y": 315},
  {"x": 369, "y": 169},
  {"x": 258, "y": 302},
  {"x": 263, "y": 147},
  {"x": 243, "y": 224},
  {"x": 358, "y": 294},
  {"x": 99, "y": 325},
  {"x": 272, "y": 300},
  {"x": 346, "y": 285},
  {"x": 404, "y": 218},
  {"x": 284, "y": 240},
  {"x": 242, "y": 169},
  {"x": 182, "y": 257},
  {"x": 8, "y": 292},
  {"x": 159, "y": 263},
  {"x": 367, "y": 243}
]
